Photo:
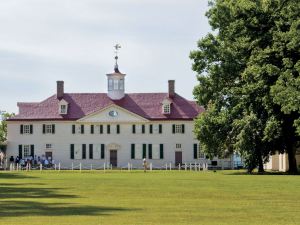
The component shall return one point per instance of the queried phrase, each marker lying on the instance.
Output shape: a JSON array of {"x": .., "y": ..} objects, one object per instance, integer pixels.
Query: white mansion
[{"x": 113, "y": 127}]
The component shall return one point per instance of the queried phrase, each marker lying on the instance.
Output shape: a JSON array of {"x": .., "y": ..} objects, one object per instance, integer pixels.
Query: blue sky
[{"x": 42, "y": 41}]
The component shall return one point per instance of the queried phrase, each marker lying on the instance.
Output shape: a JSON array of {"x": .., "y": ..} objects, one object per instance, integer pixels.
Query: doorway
[
  {"x": 113, "y": 156},
  {"x": 178, "y": 158},
  {"x": 48, "y": 156}
]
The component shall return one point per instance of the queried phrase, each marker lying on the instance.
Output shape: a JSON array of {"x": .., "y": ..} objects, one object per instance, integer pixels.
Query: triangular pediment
[{"x": 113, "y": 113}]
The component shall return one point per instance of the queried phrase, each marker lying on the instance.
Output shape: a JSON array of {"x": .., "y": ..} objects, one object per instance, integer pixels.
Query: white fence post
[
  {"x": 41, "y": 167},
  {"x": 170, "y": 166},
  {"x": 54, "y": 166},
  {"x": 80, "y": 167},
  {"x": 185, "y": 167},
  {"x": 150, "y": 166},
  {"x": 91, "y": 166},
  {"x": 58, "y": 166},
  {"x": 190, "y": 166},
  {"x": 72, "y": 166},
  {"x": 166, "y": 166}
]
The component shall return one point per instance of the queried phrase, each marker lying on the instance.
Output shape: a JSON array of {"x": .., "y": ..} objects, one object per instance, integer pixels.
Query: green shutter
[
  {"x": 144, "y": 151},
  {"x": 160, "y": 128},
  {"x": 118, "y": 128},
  {"x": 92, "y": 129},
  {"x": 83, "y": 151},
  {"x": 150, "y": 128},
  {"x": 102, "y": 151},
  {"x": 91, "y": 151},
  {"x": 82, "y": 128},
  {"x": 132, "y": 151},
  {"x": 182, "y": 125},
  {"x": 20, "y": 151},
  {"x": 108, "y": 129},
  {"x": 101, "y": 129},
  {"x": 195, "y": 151},
  {"x": 72, "y": 151},
  {"x": 32, "y": 151},
  {"x": 161, "y": 151},
  {"x": 31, "y": 129},
  {"x": 133, "y": 128},
  {"x": 143, "y": 128},
  {"x": 173, "y": 128},
  {"x": 150, "y": 151},
  {"x": 53, "y": 128},
  {"x": 73, "y": 129},
  {"x": 21, "y": 129}
]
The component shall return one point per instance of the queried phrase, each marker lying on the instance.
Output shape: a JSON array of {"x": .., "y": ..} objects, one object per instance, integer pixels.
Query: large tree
[
  {"x": 248, "y": 72},
  {"x": 3, "y": 126}
]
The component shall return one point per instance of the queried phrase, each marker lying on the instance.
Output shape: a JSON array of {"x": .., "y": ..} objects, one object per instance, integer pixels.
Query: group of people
[{"x": 30, "y": 161}]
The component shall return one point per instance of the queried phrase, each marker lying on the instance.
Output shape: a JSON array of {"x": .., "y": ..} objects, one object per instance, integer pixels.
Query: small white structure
[{"x": 280, "y": 162}]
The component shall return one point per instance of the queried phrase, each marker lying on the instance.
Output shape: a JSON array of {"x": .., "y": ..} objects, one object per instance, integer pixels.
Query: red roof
[{"x": 147, "y": 105}]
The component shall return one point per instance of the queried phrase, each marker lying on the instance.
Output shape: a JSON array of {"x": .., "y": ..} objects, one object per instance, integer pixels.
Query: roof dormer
[
  {"x": 166, "y": 106},
  {"x": 63, "y": 107}
]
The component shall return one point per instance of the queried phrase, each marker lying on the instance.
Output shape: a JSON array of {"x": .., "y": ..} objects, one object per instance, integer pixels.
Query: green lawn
[{"x": 158, "y": 197}]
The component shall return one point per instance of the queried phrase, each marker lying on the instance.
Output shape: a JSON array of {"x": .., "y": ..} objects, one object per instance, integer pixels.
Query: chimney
[
  {"x": 171, "y": 88},
  {"x": 60, "y": 89}
]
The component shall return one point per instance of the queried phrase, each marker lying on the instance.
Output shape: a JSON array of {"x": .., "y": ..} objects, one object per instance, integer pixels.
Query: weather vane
[{"x": 117, "y": 47}]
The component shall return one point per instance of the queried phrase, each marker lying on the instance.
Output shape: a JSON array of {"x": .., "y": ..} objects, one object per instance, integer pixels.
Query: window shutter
[
  {"x": 150, "y": 151},
  {"x": 150, "y": 128},
  {"x": 91, "y": 151},
  {"x": 144, "y": 151},
  {"x": 118, "y": 128},
  {"x": 31, "y": 129},
  {"x": 83, "y": 151},
  {"x": 53, "y": 128},
  {"x": 101, "y": 129},
  {"x": 102, "y": 151},
  {"x": 108, "y": 128},
  {"x": 132, "y": 151},
  {"x": 73, "y": 129},
  {"x": 173, "y": 128},
  {"x": 82, "y": 128},
  {"x": 92, "y": 129},
  {"x": 72, "y": 151},
  {"x": 21, "y": 129},
  {"x": 195, "y": 151},
  {"x": 44, "y": 128},
  {"x": 133, "y": 128},
  {"x": 20, "y": 151},
  {"x": 160, "y": 128},
  {"x": 32, "y": 151},
  {"x": 182, "y": 128},
  {"x": 161, "y": 151},
  {"x": 143, "y": 128}
]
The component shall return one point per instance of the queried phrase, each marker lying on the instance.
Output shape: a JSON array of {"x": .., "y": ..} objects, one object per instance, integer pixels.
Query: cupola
[{"x": 116, "y": 80}]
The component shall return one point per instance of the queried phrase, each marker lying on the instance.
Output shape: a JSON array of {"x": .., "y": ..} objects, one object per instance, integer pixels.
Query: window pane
[
  {"x": 110, "y": 84},
  {"x": 116, "y": 84}
]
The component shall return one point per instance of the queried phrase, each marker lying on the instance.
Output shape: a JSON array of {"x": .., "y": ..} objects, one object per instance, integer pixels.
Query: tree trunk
[
  {"x": 260, "y": 164},
  {"x": 291, "y": 151}
]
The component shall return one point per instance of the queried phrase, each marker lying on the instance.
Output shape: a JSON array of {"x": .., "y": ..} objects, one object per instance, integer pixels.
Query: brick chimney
[
  {"x": 171, "y": 88},
  {"x": 60, "y": 89}
]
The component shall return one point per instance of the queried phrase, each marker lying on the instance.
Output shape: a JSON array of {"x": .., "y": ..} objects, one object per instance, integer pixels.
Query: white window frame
[
  {"x": 63, "y": 109},
  {"x": 116, "y": 84},
  {"x": 121, "y": 84},
  {"x": 166, "y": 108},
  {"x": 178, "y": 129},
  {"x": 26, "y": 129},
  {"x": 178, "y": 146},
  {"x": 48, "y": 146},
  {"x": 26, "y": 151},
  {"x": 48, "y": 129},
  {"x": 110, "y": 84}
]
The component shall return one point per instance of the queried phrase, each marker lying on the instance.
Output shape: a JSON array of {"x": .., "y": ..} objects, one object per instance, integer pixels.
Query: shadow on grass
[
  {"x": 9, "y": 175},
  {"x": 29, "y": 208},
  {"x": 18, "y": 191},
  {"x": 268, "y": 173}
]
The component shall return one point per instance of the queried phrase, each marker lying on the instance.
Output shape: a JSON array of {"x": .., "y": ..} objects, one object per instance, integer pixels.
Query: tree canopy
[
  {"x": 3, "y": 126},
  {"x": 248, "y": 72}
]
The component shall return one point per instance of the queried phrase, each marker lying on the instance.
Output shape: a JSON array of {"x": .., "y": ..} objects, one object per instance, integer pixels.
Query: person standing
[{"x": 145, "y": 165}]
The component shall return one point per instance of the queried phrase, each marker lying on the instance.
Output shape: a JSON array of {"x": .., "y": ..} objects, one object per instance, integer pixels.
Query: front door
[
  {"x": 48, "y": 155},
  {"x": 178, "y": 158},
  {"x": 113, "y": 158}
]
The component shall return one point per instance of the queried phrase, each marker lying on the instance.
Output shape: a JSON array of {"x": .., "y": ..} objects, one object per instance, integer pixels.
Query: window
[
  {"x": 121, "y": 84},
  {"x": 26, "y": 150},
  {"x": 110, "y": 84},
  {"x": 178, "y": 128},
  {"x": 26, "y": 129},
  {"x": 178, "y": 146},
  {"x": 48, "y": 129},
  {"x": 48, "y": 146},
  {"x": 166, "y": 109},
  {"x": 116, "y": 84},
  {"x": 63, "y": 109}
]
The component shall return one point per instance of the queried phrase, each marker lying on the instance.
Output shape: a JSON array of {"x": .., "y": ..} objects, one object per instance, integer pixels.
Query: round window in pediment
[{"x": 113, "y": 113}]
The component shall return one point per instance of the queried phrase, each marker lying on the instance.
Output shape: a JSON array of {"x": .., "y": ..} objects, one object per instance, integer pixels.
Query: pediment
[{"x": 113, "y": 113}]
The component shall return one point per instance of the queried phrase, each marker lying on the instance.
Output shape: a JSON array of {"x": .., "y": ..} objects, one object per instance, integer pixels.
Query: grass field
[{"x": 158, "y": 197}]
